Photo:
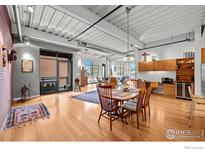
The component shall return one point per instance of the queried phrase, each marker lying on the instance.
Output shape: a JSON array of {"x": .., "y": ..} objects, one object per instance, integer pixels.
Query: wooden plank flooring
[{"x": 75, "y": 120}]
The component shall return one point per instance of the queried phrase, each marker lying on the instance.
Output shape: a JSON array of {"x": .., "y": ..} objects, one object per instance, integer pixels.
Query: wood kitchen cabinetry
[
  {"x": 169, "y": 90},
  {"x": 145, "y": 66},
  {"x": 202, "y": 55},
  {"x": 159, "y": 65},
  {"x": 170, "y": 65},
  {"x": 185, "y": 70}
]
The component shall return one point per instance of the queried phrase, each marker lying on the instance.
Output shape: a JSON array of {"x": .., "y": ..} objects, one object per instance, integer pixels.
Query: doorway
[{"x": 55, "y": 72}]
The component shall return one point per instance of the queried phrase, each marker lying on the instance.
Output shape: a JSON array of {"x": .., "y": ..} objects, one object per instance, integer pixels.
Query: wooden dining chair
[
  {"x": 146, "y": 102},
  {"x": 98, "y": 81},
  {"x": 133, "y": 107},
  {"x": 196, "y": 100},
  {"x": 140, "y": 84},
  {"x": 113, "y": 82},
  {"x": 109, "y": 107}
]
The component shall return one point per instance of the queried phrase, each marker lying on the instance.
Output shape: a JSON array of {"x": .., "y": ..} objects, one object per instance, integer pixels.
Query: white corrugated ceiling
[
  {"x": 147, "y": 23},
  {"x": 154, "y": 22},
  {"x": 51, "y": 20}
]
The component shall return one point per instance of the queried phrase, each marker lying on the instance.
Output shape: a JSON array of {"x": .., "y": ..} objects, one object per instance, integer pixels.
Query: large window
[
  {"x": 118, "y": 70},
  {"x": 132, "y": 70},
  {"x": 92, "y": 70}
]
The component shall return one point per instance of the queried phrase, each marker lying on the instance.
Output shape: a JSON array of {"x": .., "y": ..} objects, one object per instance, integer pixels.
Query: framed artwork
[{"x": 27, "y": 66}]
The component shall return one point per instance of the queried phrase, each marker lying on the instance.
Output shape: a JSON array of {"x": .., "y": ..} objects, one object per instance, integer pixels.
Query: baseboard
[{"x": 19, "y": 98}]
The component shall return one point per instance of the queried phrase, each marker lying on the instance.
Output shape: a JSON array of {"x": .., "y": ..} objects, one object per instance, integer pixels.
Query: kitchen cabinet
[
  {"x": 202, "y": 55},
  {"x": 169, "y": 89},
  {"x": 159, "y": 65},
  {"x": 170, "y": 65},
  {"x": 145, "y": 66}
]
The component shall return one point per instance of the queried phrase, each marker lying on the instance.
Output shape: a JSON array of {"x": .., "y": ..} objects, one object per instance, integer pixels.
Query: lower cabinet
[{"x": 169, "y": 89}]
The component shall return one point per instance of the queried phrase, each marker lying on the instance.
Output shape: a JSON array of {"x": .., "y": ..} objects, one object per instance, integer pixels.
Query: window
[
  {"x": 118, "y": 70},
  {"x": 132, "y": 70},
  {"x": 48, "y": 66},
  {"x": 92, "y": 70}
]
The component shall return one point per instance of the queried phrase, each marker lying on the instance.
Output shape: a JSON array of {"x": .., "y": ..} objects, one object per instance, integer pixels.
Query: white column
[{"x": 197, "y": 74}]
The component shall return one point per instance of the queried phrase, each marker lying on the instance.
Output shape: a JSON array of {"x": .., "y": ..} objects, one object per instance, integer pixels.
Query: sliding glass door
[
  {"x": 55, "y": 72},
  {"x": 63, "y": 79}
]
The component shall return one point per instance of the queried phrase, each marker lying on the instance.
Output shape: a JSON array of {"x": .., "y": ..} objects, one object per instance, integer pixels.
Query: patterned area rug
[
  {"x": 19, "y": 116},
  {"x": 91, "y": 96}
]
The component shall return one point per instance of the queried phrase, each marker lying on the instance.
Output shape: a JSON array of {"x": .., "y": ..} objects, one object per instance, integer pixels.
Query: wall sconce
[
  {"x": 12, "y": 56},
  {"x": 4, "y": 52}
]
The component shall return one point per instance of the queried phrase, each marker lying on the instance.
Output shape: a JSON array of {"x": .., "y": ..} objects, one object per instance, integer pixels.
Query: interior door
[{"x": 63, "y": 75}]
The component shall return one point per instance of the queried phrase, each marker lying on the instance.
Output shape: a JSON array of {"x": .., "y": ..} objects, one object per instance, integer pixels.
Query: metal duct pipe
[
  {"x": 165, "y": 44},
  {"x": 99, "y": 48},
  {"x": 18, "y": 22},
  {"x": 119, "y": 6}
]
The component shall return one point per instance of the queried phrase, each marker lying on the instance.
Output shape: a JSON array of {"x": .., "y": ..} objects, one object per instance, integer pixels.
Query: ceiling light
[
  {"x": 30, "y": 9},
  {"x": 128, "y": 57}
]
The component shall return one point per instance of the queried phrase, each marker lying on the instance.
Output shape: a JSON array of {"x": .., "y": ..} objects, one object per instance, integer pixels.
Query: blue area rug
[{"x": 91, "y": 96}]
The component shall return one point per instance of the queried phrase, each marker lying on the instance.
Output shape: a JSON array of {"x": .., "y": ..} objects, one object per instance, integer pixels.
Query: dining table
[{"x": 119, "y": 95}]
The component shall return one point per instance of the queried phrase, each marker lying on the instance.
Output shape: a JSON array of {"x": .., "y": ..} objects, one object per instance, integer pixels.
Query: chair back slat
[
  {"x": 140, "y": 100},
  {"x": 147, "y": 96},
  {"x": 105, "y": 96}
]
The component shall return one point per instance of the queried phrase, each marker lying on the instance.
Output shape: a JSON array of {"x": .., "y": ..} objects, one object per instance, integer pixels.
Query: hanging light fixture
[{"x": 128, "y": 57}]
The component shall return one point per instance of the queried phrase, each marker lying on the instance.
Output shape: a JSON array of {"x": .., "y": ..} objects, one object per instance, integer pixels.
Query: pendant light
[{"x": 128, "y": 57}]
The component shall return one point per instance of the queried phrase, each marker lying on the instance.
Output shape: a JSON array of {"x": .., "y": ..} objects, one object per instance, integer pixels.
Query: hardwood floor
[{"x": 74, "y": 120}]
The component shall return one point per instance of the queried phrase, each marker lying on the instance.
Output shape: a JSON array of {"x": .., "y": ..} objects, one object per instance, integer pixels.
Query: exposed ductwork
[
  {"x": 96, "y": 22},
  {"x": 185, "y": 40},
  {"x": 18, "y": 22},
  {"x": 99, "y": 48}
]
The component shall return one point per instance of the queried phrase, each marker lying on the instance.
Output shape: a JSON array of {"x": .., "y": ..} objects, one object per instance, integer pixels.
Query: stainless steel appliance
[
  {"x": 167, "y": 80},
  {"x": 182, "y": 90},
  {"x": 203, "y": 79}
]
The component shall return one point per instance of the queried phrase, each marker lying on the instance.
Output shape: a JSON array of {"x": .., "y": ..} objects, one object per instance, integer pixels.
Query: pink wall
[{"x": 5, "y": 72}]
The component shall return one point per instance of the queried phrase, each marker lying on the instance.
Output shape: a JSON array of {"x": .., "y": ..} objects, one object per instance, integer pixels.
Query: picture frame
[{"x": 26, "y": 66}]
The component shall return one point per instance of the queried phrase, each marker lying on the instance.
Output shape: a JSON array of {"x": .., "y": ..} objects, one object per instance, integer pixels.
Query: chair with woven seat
[
  {"x": 131, "y": 107},
  {"x": 109, "y": 107},
  {"x": 196, "y": 100}
]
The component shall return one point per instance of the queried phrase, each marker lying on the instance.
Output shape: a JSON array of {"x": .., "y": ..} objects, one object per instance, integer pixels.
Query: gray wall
[{"x": 30, "y": 52}]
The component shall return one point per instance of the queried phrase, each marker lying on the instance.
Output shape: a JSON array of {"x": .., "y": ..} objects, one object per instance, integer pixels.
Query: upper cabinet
[
  {"x": 170, "y": 65},
  {"x": 145, "y": 66},
  {"x": 202, "y": 55},
  {"x": 159, "y": 65}
]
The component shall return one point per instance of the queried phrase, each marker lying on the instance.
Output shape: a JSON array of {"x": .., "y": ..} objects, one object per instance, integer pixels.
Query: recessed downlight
[{"x": 30, "y": 9}]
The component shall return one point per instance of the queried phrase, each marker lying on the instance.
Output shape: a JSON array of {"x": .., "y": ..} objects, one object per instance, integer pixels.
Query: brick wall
[{"x": 5, "y": 72}]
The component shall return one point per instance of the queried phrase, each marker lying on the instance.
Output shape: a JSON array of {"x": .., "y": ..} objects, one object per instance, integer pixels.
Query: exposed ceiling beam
[
  {"x": 45, "y": 37},
  {"x": 85, "y": 15},
  {"x": 18, "y": 22}
]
